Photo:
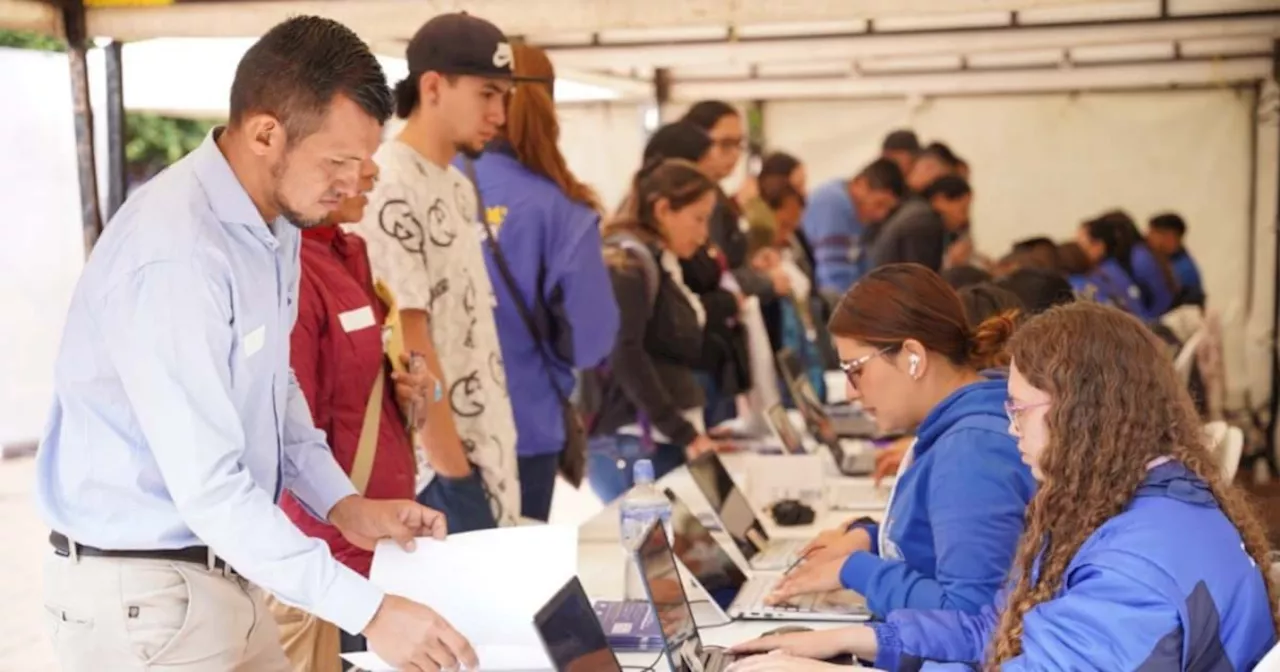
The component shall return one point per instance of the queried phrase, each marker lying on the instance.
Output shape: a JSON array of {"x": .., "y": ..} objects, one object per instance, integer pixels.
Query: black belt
[{"x": 196, "y": 555}]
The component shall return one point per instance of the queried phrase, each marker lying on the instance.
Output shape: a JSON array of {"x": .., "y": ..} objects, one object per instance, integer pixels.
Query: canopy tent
[{"x": 908, "y": 62}]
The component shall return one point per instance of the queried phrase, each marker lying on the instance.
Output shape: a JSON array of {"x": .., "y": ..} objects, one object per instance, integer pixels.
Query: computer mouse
[
  {"x": 787, "y": 630},
  {"x": 791, "y": 513}
]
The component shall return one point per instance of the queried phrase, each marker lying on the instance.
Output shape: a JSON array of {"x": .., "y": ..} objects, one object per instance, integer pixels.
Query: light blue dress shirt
[{"x": 177, "y": 420}]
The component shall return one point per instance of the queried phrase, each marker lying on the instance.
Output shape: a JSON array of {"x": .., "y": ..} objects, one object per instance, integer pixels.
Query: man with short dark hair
[
  {"x": 935, "y": 161},
  {"x": 1165, "y": 234},
  {"x": 837, "y": 217},
  {"x": 926, "y": 226},
  {"x": 424, "y": 241},
  {"x": 901, "y": 147},
  {"x": 177, "y": 422}
]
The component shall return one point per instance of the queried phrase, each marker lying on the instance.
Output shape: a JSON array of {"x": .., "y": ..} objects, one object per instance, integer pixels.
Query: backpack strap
[{"x": 648, "y": 264}]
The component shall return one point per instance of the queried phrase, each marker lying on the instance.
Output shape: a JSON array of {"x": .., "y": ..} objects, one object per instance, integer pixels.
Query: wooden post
[{"x": 77, "y": 47}]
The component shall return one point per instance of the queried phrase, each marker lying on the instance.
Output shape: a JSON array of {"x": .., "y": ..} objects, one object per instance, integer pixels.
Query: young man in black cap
[{"x": 424, "y": 244}]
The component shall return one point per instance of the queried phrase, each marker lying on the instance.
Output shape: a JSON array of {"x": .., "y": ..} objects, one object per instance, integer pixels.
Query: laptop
[
  {"x": 571, "y": 633},
  {"x": 833, "y": 432},
  {"x": 740, "y": 597},
  {"x": 792, "y": 442},
  {"x": 738, "y": 518},
  {"x": 681, "y": 644}
]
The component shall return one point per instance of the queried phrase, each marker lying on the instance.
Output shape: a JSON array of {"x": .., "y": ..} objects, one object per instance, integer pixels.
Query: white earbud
[{"x": 913, "y": 365}]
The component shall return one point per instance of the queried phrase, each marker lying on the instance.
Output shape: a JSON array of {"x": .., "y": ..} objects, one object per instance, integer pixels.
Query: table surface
[{"x": 602, "y": 559}]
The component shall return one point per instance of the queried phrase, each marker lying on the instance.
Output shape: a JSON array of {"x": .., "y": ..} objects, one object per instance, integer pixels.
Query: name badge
[
  {"x": 355, "y": 320},
  {"x": 254, "y": 340}
]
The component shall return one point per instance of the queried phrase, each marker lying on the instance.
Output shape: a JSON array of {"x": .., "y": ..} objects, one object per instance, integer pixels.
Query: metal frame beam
[
  {"x": 1080, "y": 78},
  {"x": 376, "y": 19},
  {"x": 117, "y": 179},
  {"x": 73, "y": 16},
  {"x": 855, "y": 46}
]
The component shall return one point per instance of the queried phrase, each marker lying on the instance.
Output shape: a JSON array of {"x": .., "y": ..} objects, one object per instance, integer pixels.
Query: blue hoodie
[
  {"x": 552, "y": 245},
  {"x": 956, "y": 511},
  {"x": 1157, "y": 295},
  {"x": 1165, "y": 585},
  {"x": 1109, "y": 283}
]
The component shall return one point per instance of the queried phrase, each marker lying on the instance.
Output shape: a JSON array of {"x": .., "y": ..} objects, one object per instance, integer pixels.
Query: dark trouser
[
  {"x": 720, "y": 407},
  {"x": 463, "y": 501},
  {"x": 537, "y": 484},
  {"x": 610, "y": 459}
]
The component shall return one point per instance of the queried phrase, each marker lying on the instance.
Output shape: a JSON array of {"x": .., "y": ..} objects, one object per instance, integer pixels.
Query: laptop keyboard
[
  {"x": 756, "y": 590},
  {"x": 715, "y": 659}
]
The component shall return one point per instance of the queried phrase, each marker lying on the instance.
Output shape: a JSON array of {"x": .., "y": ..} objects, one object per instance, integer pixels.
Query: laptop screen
[
  {"x": 719, "y": 575},
  {"x": 791, "y": 441},
  {"x": 805, "y": 397},
  {"x": 666, "y": 593},
  {"x": 571, "y": 633},
  {"x": 730, "y": 505}
]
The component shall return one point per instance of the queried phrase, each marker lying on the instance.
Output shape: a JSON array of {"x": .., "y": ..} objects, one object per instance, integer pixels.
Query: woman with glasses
[
  {"x": 952, "y": 522},
  {"x": 1137, "y": 554}
]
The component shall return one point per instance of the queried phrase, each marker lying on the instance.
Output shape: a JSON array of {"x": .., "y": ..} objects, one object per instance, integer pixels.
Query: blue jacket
[
  {"x": 552, "y": 245},
  {"x": 1186, "y": 272},
  {"x": 1157, "y": 295},
  {"x": 1165, "y": 585},
  {"x": 831, "y": 224},
  {"x": 1109, "y": 283},
  {"x": 956, "y": 512}
]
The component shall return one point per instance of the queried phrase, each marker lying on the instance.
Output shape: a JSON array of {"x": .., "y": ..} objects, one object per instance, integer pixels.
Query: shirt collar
[{"x": 227, "y": 196}]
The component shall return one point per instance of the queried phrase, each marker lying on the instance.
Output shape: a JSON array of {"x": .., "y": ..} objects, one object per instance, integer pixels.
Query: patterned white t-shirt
[{"x": 424, "y": 243}]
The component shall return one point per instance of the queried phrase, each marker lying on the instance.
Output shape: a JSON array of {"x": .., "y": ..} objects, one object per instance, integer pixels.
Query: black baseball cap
[{"x": 460, "y": 44}]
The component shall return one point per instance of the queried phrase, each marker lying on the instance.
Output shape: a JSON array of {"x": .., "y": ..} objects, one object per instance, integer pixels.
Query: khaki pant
[
  {"x": 310, "y": 643},
  {"x": 126, "y": 615}
]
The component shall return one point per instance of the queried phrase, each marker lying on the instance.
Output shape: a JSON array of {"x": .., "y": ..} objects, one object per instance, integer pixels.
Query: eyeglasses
[
  {"x": 1014, "y": 411},
  {"x": 730, "y": 143},
  {"x": 853, "y": 368}
]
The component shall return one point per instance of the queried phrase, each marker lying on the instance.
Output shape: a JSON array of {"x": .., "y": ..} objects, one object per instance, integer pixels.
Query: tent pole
[
  {"x": 1273, "y": 422},
  {"x": 77, "y": 46},
  {"x": 116, "y": 179},
  {"x": 661, "y": 91}
]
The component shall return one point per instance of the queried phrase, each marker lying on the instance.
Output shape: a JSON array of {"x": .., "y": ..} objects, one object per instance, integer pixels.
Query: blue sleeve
[
  {"x": 978, "y": 489},
  {"x": 1111, "y": 617},
  {"x": 1147, "y": 273},
  {"x": 831, "y": 235},
  {"x": 168, "y": 329},
  {"x": 911, "y": 637},
  {"x": 580, "y": 284}
]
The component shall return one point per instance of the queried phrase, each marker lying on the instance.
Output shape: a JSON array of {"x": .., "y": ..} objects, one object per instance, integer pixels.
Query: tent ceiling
[{"x": 766, "y": 49}]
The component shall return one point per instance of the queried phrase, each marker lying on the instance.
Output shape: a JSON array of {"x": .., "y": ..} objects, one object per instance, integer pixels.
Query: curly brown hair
[{"x": 1117, "y": 405}]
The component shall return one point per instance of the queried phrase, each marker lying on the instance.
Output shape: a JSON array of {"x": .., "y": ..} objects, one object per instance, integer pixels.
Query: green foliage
[
  {"x": 19, "y": 39},
  {"x": 153, "y": 142}
]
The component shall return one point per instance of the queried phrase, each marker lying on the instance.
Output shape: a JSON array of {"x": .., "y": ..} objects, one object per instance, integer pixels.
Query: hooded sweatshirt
[
  {"x": 552, "y": 246},
  {"x": 956, "y": 512},
  {"x": 1164, "y": 585}
]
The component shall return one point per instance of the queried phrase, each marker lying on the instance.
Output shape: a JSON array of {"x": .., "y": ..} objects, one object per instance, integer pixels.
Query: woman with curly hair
[{"x": 1136, "y": 554}]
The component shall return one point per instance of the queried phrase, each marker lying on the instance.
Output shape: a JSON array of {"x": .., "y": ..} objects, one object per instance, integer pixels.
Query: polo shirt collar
[{"x": 227, "y": 196}]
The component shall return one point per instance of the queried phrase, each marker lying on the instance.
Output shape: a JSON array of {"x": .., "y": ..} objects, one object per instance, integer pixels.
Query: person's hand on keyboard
[
  {"x": 810, "y": 576},
  {"x": 837, "y": 543},
  {"x": 781, "y": 662},
  {"x": 800, "y": 651}
]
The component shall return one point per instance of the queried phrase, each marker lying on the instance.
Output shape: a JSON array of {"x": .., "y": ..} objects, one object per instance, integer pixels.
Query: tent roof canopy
[{"x": 760, "y": 49}]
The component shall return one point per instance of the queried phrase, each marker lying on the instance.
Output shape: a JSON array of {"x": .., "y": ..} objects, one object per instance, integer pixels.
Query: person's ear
[
  {"x": 265, "y": 133},
  {"x": 914, "y": 358},
  {"x": 429, "y": 88},
  {"x": 662, "y": 211}
]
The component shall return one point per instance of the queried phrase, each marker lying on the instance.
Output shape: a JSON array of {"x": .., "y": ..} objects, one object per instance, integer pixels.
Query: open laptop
[
  {"x": 738, "y": 518},
  {"x": 571, "y": 633},
  {"x": 740, "y": 597},
  {"x": 849, "y": 448},
  {"x": 792, "y": 442},
  {"x": 681, "y": 644}
]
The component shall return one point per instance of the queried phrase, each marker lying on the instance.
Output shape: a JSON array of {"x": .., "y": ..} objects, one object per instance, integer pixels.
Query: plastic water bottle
[{"x": 642, "y": 505}]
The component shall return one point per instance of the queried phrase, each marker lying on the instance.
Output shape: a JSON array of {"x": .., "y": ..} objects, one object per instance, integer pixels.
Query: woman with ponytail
[
  {"x": 1137, "y": 554},
  {"x": 949, "y": 530},
  {"x": 547, "y": 225}
]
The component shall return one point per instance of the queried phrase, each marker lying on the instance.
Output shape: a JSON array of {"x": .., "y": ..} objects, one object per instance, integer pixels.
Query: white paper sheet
[
  {"x": 492, "y": 659},
  {"x": 488, "y": 584}
]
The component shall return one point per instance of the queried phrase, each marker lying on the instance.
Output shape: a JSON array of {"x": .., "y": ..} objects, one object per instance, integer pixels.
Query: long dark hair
[{"x": 678, "y": 181}]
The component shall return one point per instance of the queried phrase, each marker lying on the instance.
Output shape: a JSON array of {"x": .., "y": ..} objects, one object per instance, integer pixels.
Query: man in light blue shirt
[{"x": 177, "y": 422}]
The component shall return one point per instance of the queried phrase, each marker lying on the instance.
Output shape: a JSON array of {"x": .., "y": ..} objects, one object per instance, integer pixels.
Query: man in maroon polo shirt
[{"x": 337, "y": 349}]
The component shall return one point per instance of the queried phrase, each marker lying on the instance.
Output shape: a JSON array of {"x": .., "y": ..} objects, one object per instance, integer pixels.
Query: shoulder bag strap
[{"x": 500, "y": 260}]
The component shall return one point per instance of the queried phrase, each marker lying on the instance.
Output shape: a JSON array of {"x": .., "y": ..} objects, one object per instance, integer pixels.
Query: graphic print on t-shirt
[{"x": 424, "y": 243}]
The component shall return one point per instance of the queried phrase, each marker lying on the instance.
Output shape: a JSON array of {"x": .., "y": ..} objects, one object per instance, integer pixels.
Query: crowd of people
[{"x": 305, "y": 337}]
